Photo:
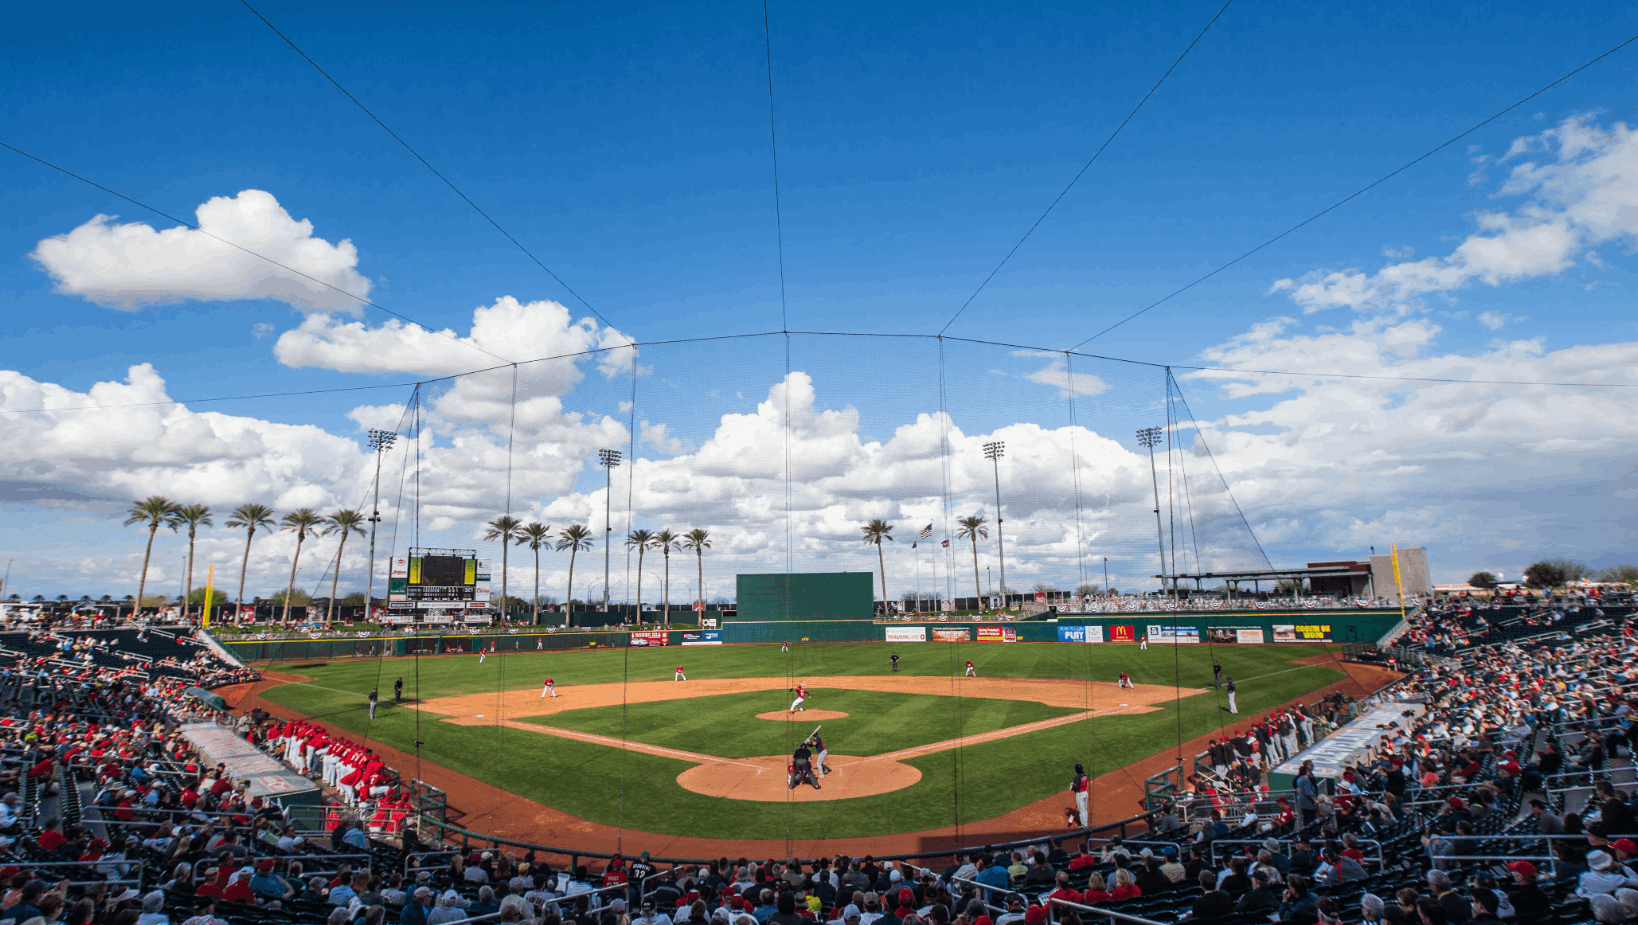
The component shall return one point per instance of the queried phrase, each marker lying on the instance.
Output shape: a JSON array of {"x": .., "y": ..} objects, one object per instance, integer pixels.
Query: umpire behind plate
[{"x": 801, "y": 769}]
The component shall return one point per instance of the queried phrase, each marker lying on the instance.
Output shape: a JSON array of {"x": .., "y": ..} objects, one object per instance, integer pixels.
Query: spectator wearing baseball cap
[{"x": 1604, "y": 876}]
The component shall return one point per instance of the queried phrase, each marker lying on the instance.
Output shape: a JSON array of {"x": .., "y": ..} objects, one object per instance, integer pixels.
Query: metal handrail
[
  {"x": 1122, "y": 916},
  {"x": 1380, "y": 860}
]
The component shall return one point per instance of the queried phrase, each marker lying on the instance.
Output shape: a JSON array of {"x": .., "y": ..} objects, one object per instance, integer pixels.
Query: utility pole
[
  {"x": 608, "y": 459},
  {"x": 380, "y": 441},
  {"x": 993, "y": 452},
  {"x": 1150, "y": 437}
]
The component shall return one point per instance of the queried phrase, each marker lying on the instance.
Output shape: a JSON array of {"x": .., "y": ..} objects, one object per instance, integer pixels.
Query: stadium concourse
[{"x": 1508, "y": 798}]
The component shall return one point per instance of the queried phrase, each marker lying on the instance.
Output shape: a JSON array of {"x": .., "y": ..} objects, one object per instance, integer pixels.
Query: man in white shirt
[{"x": 650, "y": 916}]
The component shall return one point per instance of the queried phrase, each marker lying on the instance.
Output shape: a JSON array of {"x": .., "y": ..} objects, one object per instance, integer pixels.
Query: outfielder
[
  {"x": 482, "y": 654},
  {"x": 801, "y": 695},
  {"x": 1143, "y": 642},
  {"x": 971, "y": 671},
  {"x": 680, "y": 676},
  {"x": 784, "y": 647},
  {"x": 547, "y": 688},
  {"x": 1079, "y": 786}
]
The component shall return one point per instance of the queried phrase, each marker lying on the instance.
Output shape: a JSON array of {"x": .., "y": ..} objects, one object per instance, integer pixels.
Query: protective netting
[{"x": 783, "y": 446}]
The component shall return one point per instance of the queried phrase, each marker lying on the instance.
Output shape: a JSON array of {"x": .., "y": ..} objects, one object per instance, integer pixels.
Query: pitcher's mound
[
  {"x": 763, "y": 779},
  {"x": 817, "y": 716}
]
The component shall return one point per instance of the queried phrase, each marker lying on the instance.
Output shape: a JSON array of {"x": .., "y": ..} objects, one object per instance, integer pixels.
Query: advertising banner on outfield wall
[
  {"x": 1122, "y": 634},
  {"x": 649, "y": 637},
  {"x": 1302, "y": 632},
  {"x": 1080, "y": 634},
  {"x": 997, "y": 633},
  {"x": 945, "y": 635},
  {"x": 906, "y": 633},
  {"x": 1235, "y": 635},
  {"x": 1186, "y": 635},
  {"x": 702, "y": 638}
]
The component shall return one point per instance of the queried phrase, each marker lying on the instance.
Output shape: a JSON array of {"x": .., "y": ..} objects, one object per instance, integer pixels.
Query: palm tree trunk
[
  {"x": 668, "y": 587},
  {"x": 187, "y": 595},
  {"x": 639, "y": 584},
  {"x": 290, "y": 589},
  {"x": 883, "y": 563},
  {"x": 504, "y": 551},
  {"x": 330, "y": 611},
  {"x": 568, "y": 596},
  {"x": 142, "y": 582},
  {"x": 536, "y": 618},
  {"x": 243, "y": 565},
  {"x": 978, "y": 589},
  {"x": 699, "y": 556}
]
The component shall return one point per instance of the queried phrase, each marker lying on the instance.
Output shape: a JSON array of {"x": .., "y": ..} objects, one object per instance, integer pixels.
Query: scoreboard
[{"x": 438, "y": 586}]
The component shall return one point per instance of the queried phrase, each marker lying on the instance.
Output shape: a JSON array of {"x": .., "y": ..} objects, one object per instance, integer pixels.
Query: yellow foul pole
[
  {"x": 1397, "y": 580},
  {"x": 210, "y": 576}
]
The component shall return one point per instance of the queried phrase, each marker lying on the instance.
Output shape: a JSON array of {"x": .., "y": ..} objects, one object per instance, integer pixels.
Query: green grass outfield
[{"x": 640, "y": 791}]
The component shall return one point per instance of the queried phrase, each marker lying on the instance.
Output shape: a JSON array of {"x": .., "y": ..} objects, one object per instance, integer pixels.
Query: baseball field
[{"x": 624, "y": 745}]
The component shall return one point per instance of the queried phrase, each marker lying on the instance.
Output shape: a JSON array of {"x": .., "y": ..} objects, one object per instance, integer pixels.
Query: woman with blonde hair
[
  {"x": 1125, "y": 886},
  {"x": 1095, "y": 890}
]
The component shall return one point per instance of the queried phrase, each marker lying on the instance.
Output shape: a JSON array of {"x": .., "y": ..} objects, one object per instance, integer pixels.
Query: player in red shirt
[
  {"x": 801, "y": 695},
  {"x": 972, "y": 672},
  {"x": 680, "y": 676},
  {"x": 1125, "y": 680},
  {"x": 547, "y": 688}
]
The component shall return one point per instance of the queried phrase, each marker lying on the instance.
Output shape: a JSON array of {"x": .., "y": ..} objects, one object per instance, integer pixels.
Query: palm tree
[
  {"x": 874, "y": 533},
  {"x": 156, "y": 511},
  {"x": 974, "y": 528},
  {"x": 195, "y": 516},
  {"x": 300, "y": 522},
  {"x": 504, "y": 528},
  {"x": 576, "y": 538},
  {"x": 642, "y": 541},
  {"x": 698, "y": 540},
  {"x": 342, "y": 522},
  {"x": 249, "y": 516},
  {"x": 665, "y": 541},
  {"x": 535, "y": 535}
]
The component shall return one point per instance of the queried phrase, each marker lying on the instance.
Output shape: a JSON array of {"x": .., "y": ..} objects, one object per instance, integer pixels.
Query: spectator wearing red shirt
[
  {"x": 1095, "y": 892},
  {"x": 1064, "y": 892},
  {"x": 51, "y": 838}
]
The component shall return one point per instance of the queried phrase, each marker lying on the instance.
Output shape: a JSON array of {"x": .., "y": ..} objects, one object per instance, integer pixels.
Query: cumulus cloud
[
  {"x": 1494, "y": 320},
  {"x": 1581, "y": 184},
  {"x": 130, "y": 265}
]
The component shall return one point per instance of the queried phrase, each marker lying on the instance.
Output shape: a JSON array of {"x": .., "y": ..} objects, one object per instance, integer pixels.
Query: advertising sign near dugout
[
  {"x": 1080, "y": 634},
  {"x": 702, "y": 638},
  {"x": 997, "y": 634},
  {"x": 1302, "y": 632},
  {"x": 649, "y": 637},
  {"x": 948, "y": 635},
  {"x": 1186, "y": 635},
  {"x": 906, "y": 633}
]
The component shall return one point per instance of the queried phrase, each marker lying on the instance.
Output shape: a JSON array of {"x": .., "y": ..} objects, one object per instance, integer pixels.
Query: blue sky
[{"x": 628, "y": 149}]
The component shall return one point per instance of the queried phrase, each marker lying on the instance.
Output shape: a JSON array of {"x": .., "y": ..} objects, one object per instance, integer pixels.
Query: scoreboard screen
[{"x": 443, "y": 570}]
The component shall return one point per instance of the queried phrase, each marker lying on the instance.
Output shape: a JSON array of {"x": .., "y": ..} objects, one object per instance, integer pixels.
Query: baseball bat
[{"x": 816, "y": 730}]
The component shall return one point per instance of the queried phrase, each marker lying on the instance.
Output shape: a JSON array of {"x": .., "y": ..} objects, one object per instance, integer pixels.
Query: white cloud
[
  {"x": 1058, "y": 373},
  {"x": 131, "y": 265},
  {"x": 261, "y": 329},
  {"x": 1581, "y": 181},
  {"x": 1494, "y": 320}
]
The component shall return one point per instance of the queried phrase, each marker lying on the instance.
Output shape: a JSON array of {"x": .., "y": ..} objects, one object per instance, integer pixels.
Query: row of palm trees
[
  {"x": 973, "y": 528},
  {"x": 576, "y": 538},
  {"x": 158, "y": 511}
]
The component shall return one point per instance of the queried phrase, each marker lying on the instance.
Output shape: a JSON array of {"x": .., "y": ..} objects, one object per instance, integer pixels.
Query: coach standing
[
  {"x": 375, "y": 695},
  {"x": 1079, "y": 786},
  {"x": 1230, "y": 689}
]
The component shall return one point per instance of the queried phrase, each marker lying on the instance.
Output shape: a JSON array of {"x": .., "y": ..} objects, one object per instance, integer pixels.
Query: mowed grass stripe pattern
[
  {"x": 978, "y": 782},
  {"x": 877, "y": 722}
]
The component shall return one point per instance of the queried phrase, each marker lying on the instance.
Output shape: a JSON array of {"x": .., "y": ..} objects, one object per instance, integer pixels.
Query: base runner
[
  {"x": 971, "y": 671},
  {"x": 547, "y": 688},
  {"x": 801, "y": 692},
  {"x": 1079, "y": 786},
  {"x": 680, "y": 676}
]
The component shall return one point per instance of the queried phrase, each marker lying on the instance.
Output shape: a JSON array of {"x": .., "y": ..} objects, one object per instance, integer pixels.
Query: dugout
[{"x": 806, "y": 596}]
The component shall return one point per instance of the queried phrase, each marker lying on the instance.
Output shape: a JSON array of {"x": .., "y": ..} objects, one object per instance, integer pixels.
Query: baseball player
[
  {"x": 784, "y": 647},
  {"x": 482, "y": 654},
  {"x": 971, "y": 671},
  {"x": 1079, "y": 786},
  {"x": 375, "y": 695},
  {"x": 801, "y": 695},
  {"x": 820, "y": 754},
  {"x": 547, "y": 688},
  {"x": 1125, "y": 680},
  {"x": 1143, "y": 642},
  {"x": 1216, "y": 674},
  {"x": 1232, "y": 707},
  {"x": 680, "y": 676}
]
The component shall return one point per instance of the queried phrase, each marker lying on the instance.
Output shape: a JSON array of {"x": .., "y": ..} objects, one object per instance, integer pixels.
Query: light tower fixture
[
  {"x": 608, "y": 459},
  {"x": 1150, "y": 437},
  {"x": 380, "y": 441},
  {"x": 993, "y": 451}
]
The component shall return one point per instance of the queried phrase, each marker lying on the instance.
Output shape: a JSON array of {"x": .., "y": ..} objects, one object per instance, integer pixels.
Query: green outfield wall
[{"x": 809, "y": 596}]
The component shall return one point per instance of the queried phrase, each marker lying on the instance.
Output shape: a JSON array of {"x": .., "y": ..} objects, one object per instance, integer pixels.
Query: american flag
[{"x": 926, "y": 531}]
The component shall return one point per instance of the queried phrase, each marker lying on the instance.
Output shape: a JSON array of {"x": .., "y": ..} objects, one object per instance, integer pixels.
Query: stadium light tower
[
  {"x": 993, "y": 452},
  {"x": 1150, "y": 437},
  {"x": 380, "y": 441},
  {"x": 608, "y": 459}
]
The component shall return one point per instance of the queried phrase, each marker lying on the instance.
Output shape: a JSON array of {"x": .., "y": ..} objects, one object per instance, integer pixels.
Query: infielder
[
  {"x": 1232, "y": 707},
  {"x": 971, "y": 671},
  {"x": 547, "y": 688},
  {"x": 680, "y": 676},
  {"x": 801, "y": 695},
  {"x": 1079, "y": 786},
  {"x": 1125, "y": 681}
]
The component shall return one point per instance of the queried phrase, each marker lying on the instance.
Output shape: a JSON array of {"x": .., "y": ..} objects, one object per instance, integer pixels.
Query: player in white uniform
[
  {"x": 801, "y": 695},
  {"x": 680, "y": 676},
  {"x": 971, "y": 671},
  {"x": 1143, "y": 642},
  {"x": 547, "y": 688}
]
